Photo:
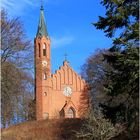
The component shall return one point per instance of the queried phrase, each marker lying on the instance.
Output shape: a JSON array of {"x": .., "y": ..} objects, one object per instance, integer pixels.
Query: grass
[{"x": 63, "y": 129}]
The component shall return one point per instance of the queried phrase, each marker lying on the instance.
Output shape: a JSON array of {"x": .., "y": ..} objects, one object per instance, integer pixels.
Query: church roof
[{"x": 42, "y": 30}]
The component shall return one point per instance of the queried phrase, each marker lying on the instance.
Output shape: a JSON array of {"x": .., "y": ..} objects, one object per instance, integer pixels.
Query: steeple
[
  {"x": 42, "y": 30},
  {"x": 42, "y": 68}
]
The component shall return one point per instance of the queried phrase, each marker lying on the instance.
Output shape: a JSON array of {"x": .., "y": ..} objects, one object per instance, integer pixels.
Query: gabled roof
[
  {"x": 66, "y": 76},
  {"x": 42, "y": 30}
]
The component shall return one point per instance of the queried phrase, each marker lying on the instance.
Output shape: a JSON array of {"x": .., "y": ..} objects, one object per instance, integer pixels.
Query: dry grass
[{"x": 43, "y": 130}]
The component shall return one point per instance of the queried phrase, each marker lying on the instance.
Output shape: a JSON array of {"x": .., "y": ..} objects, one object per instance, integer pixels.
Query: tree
[
  {"x": 15, "y": 47},
  {"x": 84, "y": 102},
  {"x": 122, "y": 82},
  {"x": 93, "y": 71},
  {"x": 16, "y": 93},
  {"x": 95, "y": 126},
  {"x": 16, "y": 80},
  {"x": 122, "y": 15}
]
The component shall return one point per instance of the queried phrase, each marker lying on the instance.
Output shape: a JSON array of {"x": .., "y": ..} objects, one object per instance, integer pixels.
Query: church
[{"x": 57, "y": 95}]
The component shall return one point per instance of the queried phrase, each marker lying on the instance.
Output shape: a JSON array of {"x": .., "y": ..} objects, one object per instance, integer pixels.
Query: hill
[{"x": 63, "y": 129}]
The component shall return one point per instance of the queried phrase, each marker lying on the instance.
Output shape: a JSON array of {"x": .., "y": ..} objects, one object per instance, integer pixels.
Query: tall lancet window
[
  {"x": 45, "y": 76},
  {"x": 39, "y": 50},
  {"x": 44, "y": 49}
]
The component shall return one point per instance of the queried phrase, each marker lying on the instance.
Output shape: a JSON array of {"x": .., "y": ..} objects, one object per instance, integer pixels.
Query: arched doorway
[
  {"x": 70, "y": 113},
  {"x": 62, "y": 113}
]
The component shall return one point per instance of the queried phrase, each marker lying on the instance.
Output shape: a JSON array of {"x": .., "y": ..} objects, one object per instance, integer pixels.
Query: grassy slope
[{"x": 43, "y": 130}]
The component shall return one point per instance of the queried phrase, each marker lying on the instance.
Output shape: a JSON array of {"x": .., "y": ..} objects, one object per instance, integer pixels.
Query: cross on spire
[
  {"x": 41, "y": 1},
  {"x": 65, "y": 56},
  {"x": 65, "y": 62}
]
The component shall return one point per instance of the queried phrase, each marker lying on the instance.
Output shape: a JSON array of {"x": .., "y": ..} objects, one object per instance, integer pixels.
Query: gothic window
[
  {"x": 44, "y": 49},
  {"x": 39, "y": 49},
  {"x": 70, "y": 113},
  {"x": 45, "y": 76}
]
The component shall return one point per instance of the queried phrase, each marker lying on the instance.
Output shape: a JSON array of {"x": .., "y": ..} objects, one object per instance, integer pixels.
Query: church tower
[
  {"x": 61, "y": 94},
  {"x": 42, "y": 68}
]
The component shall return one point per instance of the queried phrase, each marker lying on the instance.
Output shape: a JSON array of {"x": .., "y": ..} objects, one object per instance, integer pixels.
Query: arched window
[
  {"x": 39, "y": 50},
  {"x": 70, "y": 113},
  {"x": 45, "y": 93},
  {"x": 44, "y": 49},
  {"x": 45, "y": 76}
]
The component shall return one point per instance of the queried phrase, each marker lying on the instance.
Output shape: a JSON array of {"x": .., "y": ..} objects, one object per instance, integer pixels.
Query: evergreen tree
[{"x": 122, "y": 86}]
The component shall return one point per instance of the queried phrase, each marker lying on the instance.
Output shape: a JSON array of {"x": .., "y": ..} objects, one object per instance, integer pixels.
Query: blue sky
[{"x": 68, "y": 24}]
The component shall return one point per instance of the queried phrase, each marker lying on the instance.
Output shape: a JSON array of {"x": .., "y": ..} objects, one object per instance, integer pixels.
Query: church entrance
[{"x": 70, "y": 113}]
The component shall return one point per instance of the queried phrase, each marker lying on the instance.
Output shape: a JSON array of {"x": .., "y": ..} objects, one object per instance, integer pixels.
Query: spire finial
[
  {"x": 41, "y": 5},
  {"x": 65, "y": 56},
  {"x": 65, "y": 62}
]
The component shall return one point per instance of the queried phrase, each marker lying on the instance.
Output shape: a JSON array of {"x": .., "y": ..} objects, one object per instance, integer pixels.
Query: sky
[{"x": 69, "y": 24}]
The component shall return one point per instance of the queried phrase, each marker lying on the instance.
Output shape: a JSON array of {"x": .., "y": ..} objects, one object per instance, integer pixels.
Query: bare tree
[
  {"x": 96, "y": 127},
  {"x": 93, "y": 71},
  {"x": 16, "y": 93},
  {"x": 15, "y": 46},
  {"x": 16, "y": 78}
]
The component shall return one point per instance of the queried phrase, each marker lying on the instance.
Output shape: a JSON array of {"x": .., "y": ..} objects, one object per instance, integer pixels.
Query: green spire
[{"x": 42, "y": 31}]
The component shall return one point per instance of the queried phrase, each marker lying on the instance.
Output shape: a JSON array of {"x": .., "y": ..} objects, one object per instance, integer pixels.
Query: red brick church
[{"x": 58, "y": 95}]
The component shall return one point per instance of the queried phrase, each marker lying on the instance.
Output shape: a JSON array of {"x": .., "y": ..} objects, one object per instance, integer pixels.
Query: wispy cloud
[
  {"x": 61, "y": 41},
  {"x": 18, "y": 7}
]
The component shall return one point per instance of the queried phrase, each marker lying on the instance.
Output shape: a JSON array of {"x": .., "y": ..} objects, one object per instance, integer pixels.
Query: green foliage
[
  {"x": 117, "y": 73},
  {"x": 122, "y": 84},
  {"x": 119, "y": 14}
]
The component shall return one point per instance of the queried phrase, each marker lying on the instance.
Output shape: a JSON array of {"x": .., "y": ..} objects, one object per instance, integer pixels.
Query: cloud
[
  {"x": 61, "y": 42},
  {"x": 18, "y": 7}
]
